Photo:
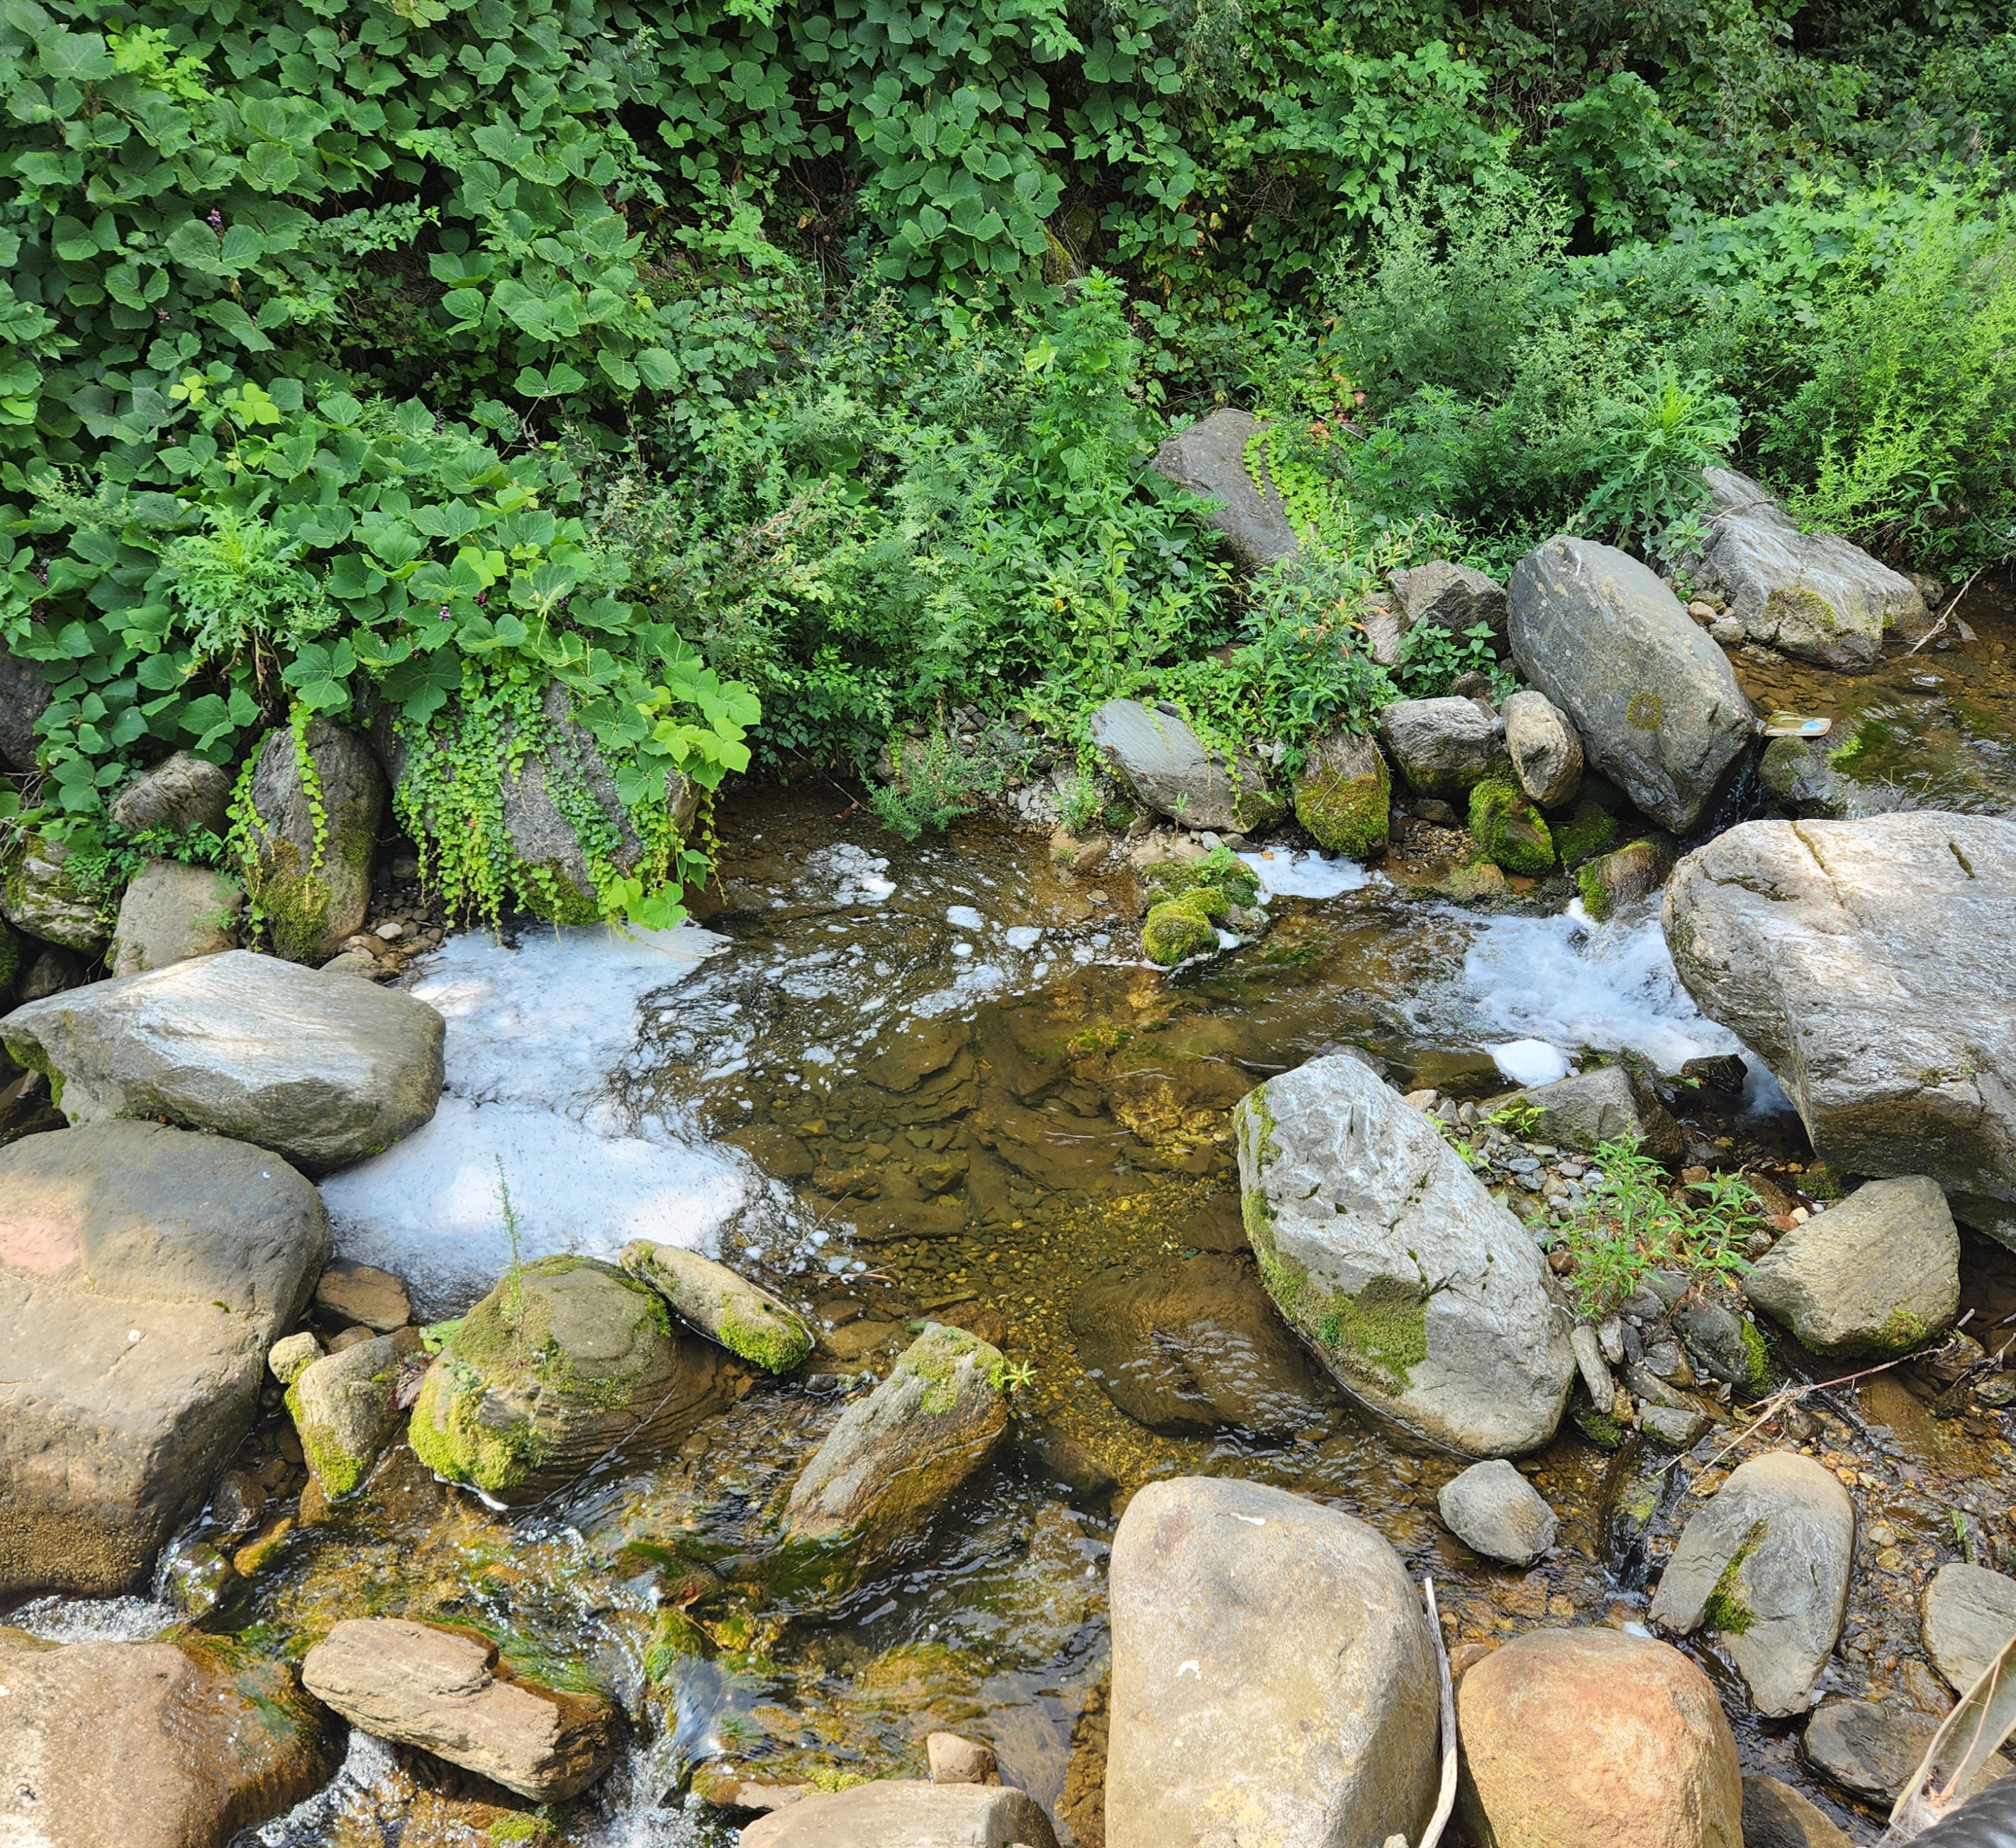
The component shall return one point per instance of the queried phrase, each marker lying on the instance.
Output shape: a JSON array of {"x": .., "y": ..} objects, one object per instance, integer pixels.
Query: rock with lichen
[
  {"x": 310, "y": 823},
  {"x": 1344, "y": 796},
  {"x": 345, "y": 1413},
  {"x": 1509, "y": 830},
  {"x": 51, "y": 894},
  {"x": 1182, "y": 927},
  {"x": 722, "y": 1304},
  {"x": 896, "y": 1454},
  {"x": 1425, "y": 1297},
  {"x": 565, "y": 1360}
]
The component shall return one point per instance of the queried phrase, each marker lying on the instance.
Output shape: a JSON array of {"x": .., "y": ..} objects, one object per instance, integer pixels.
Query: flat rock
[
  {"x": 1274, "y": 1680},
  {"x": 566, "y": 1360},
  {"x": 1186, "y": 1348},
  {"x": 1547, "y": 755},
  {"x": 1775, "y": 1816},
  {"x": 343, "y": 1411},
  {"x": 1875, "y": 1274},
  {"x": 1579, "y": 1737},
  {"x": 1814, "y": 595},
  {"x": 1493, "y": 1510},
  {"x": 170, "y": 913},
  {"x": 1209, "y": 459},
  {"x": 144, "y": 1273},
  {"x": 725, "y": 1307},
  {"x": 150, "y": 1744},
  {"x": 361, "y": 1295},
  {"x": 1871, "y": 1751},
  {"x": 1450, "y": 596},
  {"x": 1162, "y": 762},
  {"x": 182, "y": 794},
  {"x": 1588, "y": 1108},
  {"x": 1968, "y": 1615},
  {"x": 447, "y": 1692},
  {"x": 1654, "y": 700},
  {"x": 1443, "y": 747},
  {"x": 896, "y": 1454},
  {"x": 312, "y": 846},
  {"x": 897, "y": 1813},
  {"x": 1424, "y": 1298},
  {"x": 321, "y": 1069},
  {"x": 1765, "y": 1565},
  {"x": 1808, "y": 941}
]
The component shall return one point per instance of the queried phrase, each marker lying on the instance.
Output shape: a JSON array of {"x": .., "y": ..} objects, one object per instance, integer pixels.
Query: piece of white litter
[
  {"x": 1251, "y": 1520},
  {"x": 1306, "y": 875},
  {"x": 1530, "y": 1061},
  {"x": 132, "y": 1334},
  {"x": 1189, "y": 1668}
]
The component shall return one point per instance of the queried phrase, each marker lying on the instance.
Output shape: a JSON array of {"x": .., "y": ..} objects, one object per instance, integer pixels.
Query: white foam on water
[
  {"x": 1529, "y": 1062},
  {"x": 1569, "y": 985},
  {"x": 1286, "y": 875},
  {"x": 94, "y": 1619},
  {"x": 536, "y": 1036}
]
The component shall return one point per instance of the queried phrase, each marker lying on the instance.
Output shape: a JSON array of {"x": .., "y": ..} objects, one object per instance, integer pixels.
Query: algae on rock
[
  {"x": 725, "y": 1307},
  {"x": 1509, "y": 830},
  {"x": 1345, "y": 795}
]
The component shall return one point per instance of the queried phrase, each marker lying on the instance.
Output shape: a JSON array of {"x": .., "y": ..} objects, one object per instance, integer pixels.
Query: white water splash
[
  {"x": 1286, "y": 875},
  {"x": 536, "y": 1035},
  {"x": 1528, "y": 1062},
  {"x": 94, "y": 1619}
]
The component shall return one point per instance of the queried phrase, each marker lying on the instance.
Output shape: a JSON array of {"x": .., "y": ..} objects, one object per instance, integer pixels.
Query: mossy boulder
[
  {"x": 48, "y": 893},
  {"x": 564, "y": 1360},
  {"x": 725, "y": 1307},
  {"x": 896, "y": 1454},
  {"x": 344, "y": 1412},
  {"x": 1630, "y": 873},
  {"x": 312, "y": 820},
  {"x": 1344, "y": 795},
  {"x": 1588, "y": 830},
  {"x": 1509, "y": 829},
  {"x": 1184, "y": 926}
]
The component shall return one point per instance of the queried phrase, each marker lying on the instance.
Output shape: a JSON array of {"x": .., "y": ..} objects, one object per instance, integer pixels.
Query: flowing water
[{"x": 897, "y": 1080}]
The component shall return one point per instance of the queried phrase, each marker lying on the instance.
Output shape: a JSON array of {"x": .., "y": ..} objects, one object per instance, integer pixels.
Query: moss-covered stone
[
  {"x": 1184, "y": 926},
  {"x": 1589, "y": 830},
  {"x": 343, "y": 1409},
  {"x": 566, "y": 1359},
  {"x": 310, "y": 814},
  {"x": 1632, "y": 871},
  {"x": 1481, "y": 881},
  {"x": 1220, "y": 870},
  {"x": 51, "y": 894},
  {"x": 1345, "y": 795},
  {"x": 1509, "y": 830},
  {"x": 721, "y": 1304}
]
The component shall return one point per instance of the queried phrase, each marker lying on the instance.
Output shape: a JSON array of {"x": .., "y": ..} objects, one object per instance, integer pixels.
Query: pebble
[{"x": 391, "y": 930}]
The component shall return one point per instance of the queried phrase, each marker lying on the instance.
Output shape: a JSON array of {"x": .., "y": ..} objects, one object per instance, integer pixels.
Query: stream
[{"x": 890, "y": 1080}]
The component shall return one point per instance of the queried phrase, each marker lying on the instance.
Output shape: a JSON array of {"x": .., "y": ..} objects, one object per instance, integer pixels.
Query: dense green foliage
[{"x": 744, "y": 355}]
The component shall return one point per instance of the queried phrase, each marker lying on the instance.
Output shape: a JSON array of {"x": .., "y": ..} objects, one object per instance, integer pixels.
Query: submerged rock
[
  {"x": 1345, "y": 795},
  {"x": 159, "y": 1745},
  {"x": 1766, "y": 1567},
  {"x": 344, "y": 1412},
  {"x": 1209, "y": 459},
  {"x": 1799, "y": 775},
  {"x": 1586, "y": 1736},
  {"x": 170, "y": 913},
  {"x": 1812, "y": 941},
  {"x": 896, "y": 1454},
  {"x": 1967, "y": 1615},
  {"x": 1813, "y": 595},
  {"x": 446, "y": 1691},
  {"x": 1546, "y": 754},
  {"x": 1493, "y": 1510},
  {"x": 898, "y": 1813},
  {"x": 565, "y": 1360},
  {"x": 1625, "y": 876},
  {"x": 1588, "y": 1108},
  {"x": 321, "y": 1069},
  {"x": 1419, "y": 1292},
  {"x": 1153, "y": 751},
  {"x": 183, "y": 794},
  {"x": 42, "y": 893},
  {"x": 1450, "y": 596},
  {"x": 743, "y": 1317},
  {"x": 1187, "y": 1347},
  {"x": 144, "y": 1273},
  {"x": 1875, "y": 1274},
  {"x": 314, "y": 807},
  {"x": 1274, "y": 1679},
  {"x": 1443, "y": 747},
  {"x": 1775, "y": 1816},
  {"x": 1654, "y": 701}
]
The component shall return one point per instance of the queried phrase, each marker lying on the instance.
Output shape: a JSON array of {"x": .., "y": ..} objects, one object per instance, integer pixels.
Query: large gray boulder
[
  {"x": 170, "y": 913},
  {"x": 1443, "y": 747},
  {"x": 1424, "y": 1297},
  {"x": 1875, "y": 1274},
  {"x": 320, "y": 1069},
  {"x": 1209, "y": 459},
  {"x": 1274, "y": 1680},
  {"x": 151, "y": 1744},
  {"x": 1967, "y": 1617},
  {"x": 1188, "y": 1347},
  {"x": 1653, "y": 700},
  {"x": 1451, "y": 596},
  {"x": 1153, "y": 751},
  {"x": 42, "y": 893},
  {"x": 447, "y": 1692},
  {"x": 895, "y": 1455},
  {"x": 144, "y": 1273},
  {"x": 182, "y": 794},
  {"x": 1587, "y": 1109},
  {"x": 1810, "y": 594},
  {"x": 566, "y": 1360},
  {"x": 1867, "y": 962},
  {"x": 901, "y": 1813},
  {"x": 312, "y": 840},
  {"x": 1765, "y": 1566},
  {"x": 24, "y": 696},
  {"x": 1547, "y": 755}
]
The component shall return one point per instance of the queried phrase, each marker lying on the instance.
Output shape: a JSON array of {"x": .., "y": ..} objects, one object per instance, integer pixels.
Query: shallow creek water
[{"x": 893, "y": 1081}]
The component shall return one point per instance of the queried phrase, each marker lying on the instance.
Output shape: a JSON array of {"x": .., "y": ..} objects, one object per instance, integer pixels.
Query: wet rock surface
[
  {"x": 1776, "y": 1816},
  {"x": 896, "y": 1813},
  {"x": 743, "y": 1317}
]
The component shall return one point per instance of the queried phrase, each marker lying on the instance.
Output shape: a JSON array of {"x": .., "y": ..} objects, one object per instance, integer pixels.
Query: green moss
[
  {"x": 1796, "y": 604},
  {"x": 1508, "y": 829},
  {"x": 773, "y": 1344},
  {"x": 1725, "y": 1611},
  {"x": 337, "y": 1471},
  {"x": 1645, "y": 712},
  {"x": 1183, "y": 927},
  {"x": 1903, "y": 1330},
  {"x": 1589, "y": 830},
  {"x": 1758, "y": 1380},
  {"x": 1221, "y": 871},
  {"x": 935, "y": 1359},
  {"x": 1599, "y": 1427},
  {"x": 1348, "y": 815}
]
